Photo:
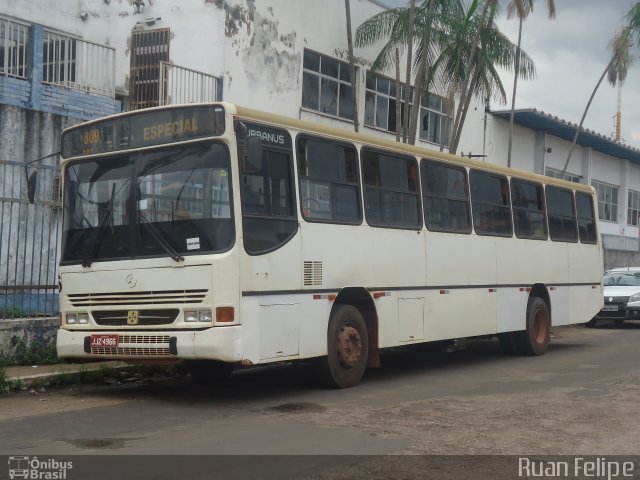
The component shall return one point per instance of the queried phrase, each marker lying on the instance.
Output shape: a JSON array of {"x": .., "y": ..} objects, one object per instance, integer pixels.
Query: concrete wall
[{"x": 27, "y": 332}]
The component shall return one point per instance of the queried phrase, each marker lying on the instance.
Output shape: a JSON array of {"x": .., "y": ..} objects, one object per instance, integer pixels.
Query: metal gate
[
  {"x": 29, "y": 241},
  {"x": 148, "y": 49}
]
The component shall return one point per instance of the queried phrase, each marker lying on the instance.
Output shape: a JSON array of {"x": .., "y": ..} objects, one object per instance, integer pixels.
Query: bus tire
[
  {"x": 347, "y": 349},
  {"x": 535, "y": 339}
]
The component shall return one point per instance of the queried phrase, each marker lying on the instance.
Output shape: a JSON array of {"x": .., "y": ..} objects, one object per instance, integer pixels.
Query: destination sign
[{"x": 143, "y": 129}]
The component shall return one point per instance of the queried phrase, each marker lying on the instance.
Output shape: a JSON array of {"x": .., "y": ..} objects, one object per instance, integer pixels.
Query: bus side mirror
[
  {"x": 252, "y": 155},
  {"x": 32, "y": 180}
]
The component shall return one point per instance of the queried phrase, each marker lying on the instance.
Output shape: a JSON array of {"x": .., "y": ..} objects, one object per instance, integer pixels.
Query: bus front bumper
[{"x": 216, "y": 343}]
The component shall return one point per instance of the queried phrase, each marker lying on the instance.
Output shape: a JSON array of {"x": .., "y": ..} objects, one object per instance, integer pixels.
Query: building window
[
  {"x": 633, "y": 208},
  {"x": 569, "y": 177},
  {"x": 326, "y": 85},
  {"x": 380, "y": 102},
  {"x": 59, "y": 59},
  {"x": 607, "y": 201},
  {"x": 13, "y": 48},
  {"x": 436, "y": 115},
  {"x": 148, "y": 49}
]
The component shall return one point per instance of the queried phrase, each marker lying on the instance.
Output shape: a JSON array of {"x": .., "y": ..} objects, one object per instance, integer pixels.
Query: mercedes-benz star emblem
[{"x": 131, "y": 280}]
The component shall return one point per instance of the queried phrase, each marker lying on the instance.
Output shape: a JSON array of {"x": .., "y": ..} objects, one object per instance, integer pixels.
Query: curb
[{"x": 39, "y": 373}]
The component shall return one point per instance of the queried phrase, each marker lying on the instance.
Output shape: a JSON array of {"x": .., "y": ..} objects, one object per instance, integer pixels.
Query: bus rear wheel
[
  {"x": 534, "y": 340},
  {"x": 347, "y": 349}
]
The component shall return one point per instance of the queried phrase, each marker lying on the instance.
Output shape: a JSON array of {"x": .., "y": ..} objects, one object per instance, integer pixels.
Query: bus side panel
[
  {"x": 586, "y": 265},
  {"x": 513, "y": 281},
  {"x": 461, "y": 274},
  {"x": 556, "y": 261}
]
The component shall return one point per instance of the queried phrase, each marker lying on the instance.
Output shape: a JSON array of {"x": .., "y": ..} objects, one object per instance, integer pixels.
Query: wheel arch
[
  {"x": 540, "y": 290},
  {"x": 360, "y": 298}
]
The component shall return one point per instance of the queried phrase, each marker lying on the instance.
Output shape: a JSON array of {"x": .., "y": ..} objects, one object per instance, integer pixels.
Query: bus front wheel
[
  {"x": 534, "y": 340},
  {"x": 347, "y": 349}
]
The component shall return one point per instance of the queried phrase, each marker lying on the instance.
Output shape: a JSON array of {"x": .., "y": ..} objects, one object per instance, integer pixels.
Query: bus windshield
[{"x": 166, "y": 202}]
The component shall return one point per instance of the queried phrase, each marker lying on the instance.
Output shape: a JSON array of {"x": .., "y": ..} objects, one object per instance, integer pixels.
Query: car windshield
[
  {"x": 622, "y": 279},
  {"x": 167, "y": 202}
]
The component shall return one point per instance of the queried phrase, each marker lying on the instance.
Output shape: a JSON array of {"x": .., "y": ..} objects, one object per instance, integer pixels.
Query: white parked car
[{"x": 621, "y": 295}]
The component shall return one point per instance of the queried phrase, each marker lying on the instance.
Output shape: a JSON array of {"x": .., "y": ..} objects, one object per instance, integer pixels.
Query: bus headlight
[
  {"x": 205, "y": 316},
  {"x": 83, "y": 318},
  {"x": 190, "y": 316},
  {"x": 71, "y": 318}
]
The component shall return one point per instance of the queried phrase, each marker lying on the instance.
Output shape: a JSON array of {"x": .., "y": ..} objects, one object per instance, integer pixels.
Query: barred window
[
  {"x": 326, "y": 85},
  {"x": 607, "y": 201},
  {"x": 633, "y": 208},
  {"x": 437, "y": 115},
  {"x": 380, "y": 102},
  {"x": 59, "y": 59},
  {"x": 14, "y": 38},
  {"x": 569, "y": 177}
]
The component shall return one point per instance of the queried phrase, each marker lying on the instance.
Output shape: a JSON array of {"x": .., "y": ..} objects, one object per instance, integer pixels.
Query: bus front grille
[
  {"x": 132, "y": 351},
  {"x": 161, "y": 297},
  {"x": 138, "y": 345},
  {"x": 120, "y": 318}
]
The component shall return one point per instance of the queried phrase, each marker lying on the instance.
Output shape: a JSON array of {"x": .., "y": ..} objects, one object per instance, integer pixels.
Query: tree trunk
[
  {"x": 513, "y": 94},
  {"x": 421, "y": 75},
  {"x": 407, "y": 88},
  {"x": 467, "y": 88},
  {"x": 584, "y": 115},
  {"x": 352, "y": 64},
  {"x": 398, "y": 105}
]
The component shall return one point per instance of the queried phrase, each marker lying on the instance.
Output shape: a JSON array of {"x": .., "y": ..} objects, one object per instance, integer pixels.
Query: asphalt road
[{"x": 581, "y": 398}]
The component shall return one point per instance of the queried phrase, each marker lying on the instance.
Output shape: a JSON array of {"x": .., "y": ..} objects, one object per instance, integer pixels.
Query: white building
[{"x": 70, "y": 60}]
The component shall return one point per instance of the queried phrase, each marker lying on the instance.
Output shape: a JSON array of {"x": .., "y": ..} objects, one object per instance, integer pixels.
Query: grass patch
[
  {"x": 33, "y": 354},
  {"x": 10, "y": 313}
]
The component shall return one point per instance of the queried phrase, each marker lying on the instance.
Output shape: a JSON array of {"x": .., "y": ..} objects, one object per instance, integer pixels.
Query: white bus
[{"x": 218, "y": 236}]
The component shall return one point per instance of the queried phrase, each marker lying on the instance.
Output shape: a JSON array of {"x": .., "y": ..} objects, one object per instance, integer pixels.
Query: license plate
[
  {"x": 610, "y": 308},
  {"x": 104, "y": 340}
]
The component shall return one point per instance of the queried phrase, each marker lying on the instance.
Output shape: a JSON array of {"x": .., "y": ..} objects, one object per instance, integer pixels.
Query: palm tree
[
  {"x": 352, "y": 65},
  {"x": 616, "y": 70},
  {"x": 521, "y": 9},
  {"x": 478, "y": 76}
]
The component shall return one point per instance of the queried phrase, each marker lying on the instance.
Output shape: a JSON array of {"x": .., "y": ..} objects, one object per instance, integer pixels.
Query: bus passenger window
[
  {"x": 562, "y": 215},
  {"x": 529, "y": 217},
  {"x": 445, "y": 198},
  {"x": 490, "y": 204},
  {"x": 586, "y": 218},
  {"x": 329, "y": 187},
  {"x": 391, "y": 194}
]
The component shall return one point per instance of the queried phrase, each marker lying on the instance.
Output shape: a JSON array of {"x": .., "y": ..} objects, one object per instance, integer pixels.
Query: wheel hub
[
  {"x": 539, "y": 328},
  {"x": 349, "y": 346}
]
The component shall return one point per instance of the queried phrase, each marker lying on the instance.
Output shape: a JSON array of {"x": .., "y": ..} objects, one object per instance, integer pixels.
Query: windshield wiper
[
  {"x": 160, "y": 237},
  {"x": 96, "y": 235}
]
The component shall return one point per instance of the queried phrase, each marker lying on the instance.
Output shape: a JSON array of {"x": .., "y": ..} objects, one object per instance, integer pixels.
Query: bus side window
[
  {"x": 529, "y": 216},
  {"x": 391, "y": 194},
  {"x": 586, "y": 218},
  {"x": 329, "y": 184},
  {"x": 490, "y": 204},
  {"x": 562, "y": 215},
  {"x": 445, "y": 197}
]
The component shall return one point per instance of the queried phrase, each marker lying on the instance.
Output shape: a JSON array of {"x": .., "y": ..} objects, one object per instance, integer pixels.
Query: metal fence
[
  {"x": 184, "y": 85},
  {"x": 14, "y": 38},
  {"x": 78, "y": 64},
  {"x": 29, "y": 241}
]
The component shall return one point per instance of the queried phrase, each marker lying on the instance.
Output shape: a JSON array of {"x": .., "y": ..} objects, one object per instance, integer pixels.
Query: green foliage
[
  {"x": 13, "y": 312},
  {"x": 33, "y": 354},
  {"x": 5, "y": 383}
]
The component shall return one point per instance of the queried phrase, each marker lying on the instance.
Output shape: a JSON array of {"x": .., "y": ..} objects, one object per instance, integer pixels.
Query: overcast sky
[{"x": 570, "y": 53}]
